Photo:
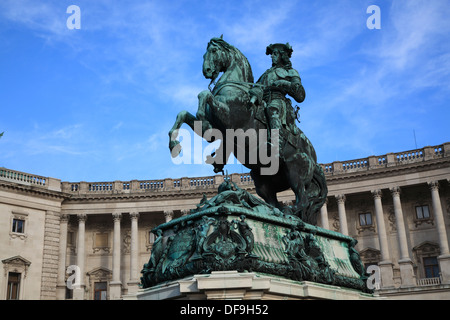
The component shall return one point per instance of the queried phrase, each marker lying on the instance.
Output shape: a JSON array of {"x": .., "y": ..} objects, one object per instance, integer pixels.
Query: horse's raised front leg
[
  {"x": 182, "y": 117},
  {"x": 204, "y": 98}
]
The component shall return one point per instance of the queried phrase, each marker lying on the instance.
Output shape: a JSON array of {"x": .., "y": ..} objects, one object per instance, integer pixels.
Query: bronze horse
[{"x": 227, "y": 106}]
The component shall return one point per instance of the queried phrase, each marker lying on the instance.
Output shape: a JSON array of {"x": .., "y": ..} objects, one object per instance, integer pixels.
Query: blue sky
[{"x": 95, "y": 104}]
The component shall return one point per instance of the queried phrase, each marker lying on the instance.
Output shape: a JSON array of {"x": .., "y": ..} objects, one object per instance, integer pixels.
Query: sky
[{"x": 96, "y": 103}]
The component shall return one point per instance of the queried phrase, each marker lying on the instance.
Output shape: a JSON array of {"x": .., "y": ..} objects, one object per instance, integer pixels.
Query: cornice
[
  {"x": 186, "y": 190},
  {"x": 146, "y": 196},
  {"x": 31, "y": 190},
  {"x": 196, "y": 193}
]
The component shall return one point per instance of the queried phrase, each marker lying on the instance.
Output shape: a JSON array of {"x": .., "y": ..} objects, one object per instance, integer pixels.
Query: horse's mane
[{"x": 237, "y": 56}]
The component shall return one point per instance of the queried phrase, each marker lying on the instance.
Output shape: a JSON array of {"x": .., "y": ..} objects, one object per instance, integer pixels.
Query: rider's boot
[{"x": 274, "y": 124}]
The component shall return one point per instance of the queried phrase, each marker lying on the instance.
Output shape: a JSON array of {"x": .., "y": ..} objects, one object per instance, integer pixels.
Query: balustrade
[
  {"x": 22, "y": 177},
  {"x": 429, "y": 281},
  {"x": 151, "y": 185},
  {"x": 410, "y": 156},
  {"x": 355, "y": 164},
  {"x": 206, "y": 181},
  {"x": 246, "y": 178},
  {"x": 101, "y": 186},
  {"x": 335, "y": 168}
]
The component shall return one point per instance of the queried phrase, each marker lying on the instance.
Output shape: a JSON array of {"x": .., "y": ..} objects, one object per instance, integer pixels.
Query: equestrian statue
[{"x": 235, "y": 102}]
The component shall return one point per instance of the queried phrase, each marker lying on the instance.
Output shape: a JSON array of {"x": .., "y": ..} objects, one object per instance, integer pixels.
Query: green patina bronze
[
  {"x": 236, "y": 230},
  {"x": 236, "y": 103}
]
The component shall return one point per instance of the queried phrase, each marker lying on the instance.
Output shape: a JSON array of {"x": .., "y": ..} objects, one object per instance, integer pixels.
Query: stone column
[
  {"x": 78, "y": 293},
  {"x": 342, "y": 214},
  {"x": 61, "y": 287},
  {"x": 444, "y": 258},
  {"x": 133, "y": 284},
  {"x": 387, "y": 272},
  {"x": 115, "y": 285},
  {"x": 324, "y": 215},
  {"x": 405, "y": 262},
  {"x": 168, "y": 215}
]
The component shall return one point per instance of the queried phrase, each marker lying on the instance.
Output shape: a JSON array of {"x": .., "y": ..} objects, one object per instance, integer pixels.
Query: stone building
[{"x": 396, "y": 205}]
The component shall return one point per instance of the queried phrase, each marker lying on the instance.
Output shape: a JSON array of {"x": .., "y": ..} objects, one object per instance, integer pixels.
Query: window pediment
[{"x": 16, "y": 264}]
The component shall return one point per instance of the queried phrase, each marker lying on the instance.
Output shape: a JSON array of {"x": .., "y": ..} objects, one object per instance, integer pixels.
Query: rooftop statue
[{"x": 237, "y": 103}]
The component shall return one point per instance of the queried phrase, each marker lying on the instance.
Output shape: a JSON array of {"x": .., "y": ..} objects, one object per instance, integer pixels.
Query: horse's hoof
[
  {"x": 175, "y": 148},
  {"x": 218, "y": 168}
]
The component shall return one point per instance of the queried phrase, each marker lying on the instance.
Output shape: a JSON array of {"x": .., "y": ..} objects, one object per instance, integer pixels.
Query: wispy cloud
[{"x": 65, "y": 140}]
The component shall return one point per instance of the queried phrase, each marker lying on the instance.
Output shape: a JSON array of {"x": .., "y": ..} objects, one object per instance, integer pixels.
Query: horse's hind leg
[
  {"x": 185, "y": 117},
  {"x": 299, "y": 173},
  {"x": 264, "y": 188}
]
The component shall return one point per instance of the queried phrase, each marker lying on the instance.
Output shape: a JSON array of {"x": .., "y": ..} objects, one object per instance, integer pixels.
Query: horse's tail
[{"x": 317, "y": 194}]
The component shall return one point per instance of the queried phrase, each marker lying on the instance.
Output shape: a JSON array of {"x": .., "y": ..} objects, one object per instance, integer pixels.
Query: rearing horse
[{"x": 228, "y": 106}]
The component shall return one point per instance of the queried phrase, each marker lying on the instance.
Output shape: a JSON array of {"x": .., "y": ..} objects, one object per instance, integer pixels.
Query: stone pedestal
[
  {"x": 233, "y": 285},
  {"x": 236, "y": 231}
]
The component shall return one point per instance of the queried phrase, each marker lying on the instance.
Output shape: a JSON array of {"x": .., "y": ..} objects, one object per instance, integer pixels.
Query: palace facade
[{"x": 396, "y": 205}]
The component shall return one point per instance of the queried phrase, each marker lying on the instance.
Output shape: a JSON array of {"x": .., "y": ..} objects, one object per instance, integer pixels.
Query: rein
[{"x": 231, "y": 82}]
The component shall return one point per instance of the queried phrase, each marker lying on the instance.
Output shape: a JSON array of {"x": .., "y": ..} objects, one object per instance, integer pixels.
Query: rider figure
[{"x": 277, "y": 82}]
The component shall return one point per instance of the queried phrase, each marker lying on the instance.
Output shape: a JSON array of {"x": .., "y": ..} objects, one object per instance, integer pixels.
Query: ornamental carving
[
  {"x": 16, "y": 264},
  {"x": 241, "y": 235}
]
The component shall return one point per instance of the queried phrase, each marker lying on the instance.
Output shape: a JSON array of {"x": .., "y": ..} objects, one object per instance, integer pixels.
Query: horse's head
[
  {"x": 220, "y": 57},
  {"x": 216, "y": 59}
]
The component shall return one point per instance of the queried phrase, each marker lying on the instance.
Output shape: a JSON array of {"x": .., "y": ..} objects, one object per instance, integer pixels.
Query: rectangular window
[
  {"x": 431, "y": 267},
  {"x": 13, "y": 286},
  {"x": 18, "y": 226},
  {"x": 422, "y": 212},
  {"x": 365, "y": 219},
  {"x": 100, "y": 289}
]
